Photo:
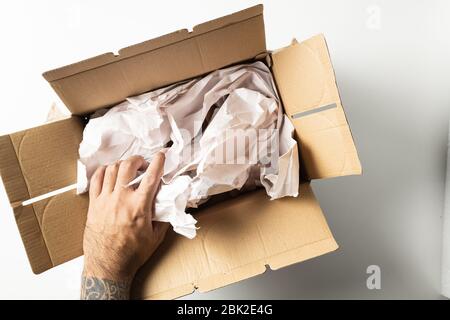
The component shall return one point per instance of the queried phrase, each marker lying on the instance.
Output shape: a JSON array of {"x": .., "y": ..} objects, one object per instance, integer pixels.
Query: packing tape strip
[
  {"x": 312, "y": 111},
  {"x": 49, "y": 194}
]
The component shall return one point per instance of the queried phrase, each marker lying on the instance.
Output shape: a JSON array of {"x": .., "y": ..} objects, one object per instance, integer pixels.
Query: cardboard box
[{"x": 239, "y": 237}]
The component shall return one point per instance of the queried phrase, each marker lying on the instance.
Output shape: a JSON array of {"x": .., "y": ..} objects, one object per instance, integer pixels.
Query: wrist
[
  {"x": 101, "y": 283},
  {"x": 104, "y": 270},
  {"x": 97, "y": 288}
]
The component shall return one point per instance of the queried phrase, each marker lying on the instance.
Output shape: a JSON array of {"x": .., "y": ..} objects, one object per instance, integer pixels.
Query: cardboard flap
[
  {"x": 52, "y": 229},
  {"x": 307, "y": 85},
  {"x": 108, "y": 79},
  {"x": 35, "y": 162},
  {"x": 237, "y": 239},
  {"x": 39, "y": 160}
]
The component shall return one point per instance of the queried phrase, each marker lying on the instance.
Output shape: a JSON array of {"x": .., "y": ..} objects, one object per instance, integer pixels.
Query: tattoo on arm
[{"x": 93, "y": 288}]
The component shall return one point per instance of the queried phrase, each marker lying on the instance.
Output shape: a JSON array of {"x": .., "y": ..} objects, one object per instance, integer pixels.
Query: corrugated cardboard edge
[
  {"x": 25, "y": 217},
  {"x": 11, "y": 172},
  {"x": 153, "y": 44},
  {"x": 276, "y": 262},
  {"x": 55, "y": 155},
  {"x": 33, "y": 239}
]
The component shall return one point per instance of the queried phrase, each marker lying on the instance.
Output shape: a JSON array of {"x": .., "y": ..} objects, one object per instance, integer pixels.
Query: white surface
[
  {"x": 445, "y": 257},
  {"x": 391, "y": 61}
]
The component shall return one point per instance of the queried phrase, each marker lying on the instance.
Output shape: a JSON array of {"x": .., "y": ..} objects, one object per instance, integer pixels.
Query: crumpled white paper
[{"x": 227, "y": 131}]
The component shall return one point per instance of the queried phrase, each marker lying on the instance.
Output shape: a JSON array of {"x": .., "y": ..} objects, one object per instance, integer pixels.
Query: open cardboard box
[{"x": 239, "y": 237}]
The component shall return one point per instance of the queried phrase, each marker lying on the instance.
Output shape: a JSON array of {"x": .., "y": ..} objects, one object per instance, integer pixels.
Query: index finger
[
  {"x": 150, "y": 183},
  {"x": 128, "y": 170}
]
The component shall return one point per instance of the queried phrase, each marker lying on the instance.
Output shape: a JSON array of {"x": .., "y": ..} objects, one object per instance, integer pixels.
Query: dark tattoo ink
[{"x": 93, "y": 288}]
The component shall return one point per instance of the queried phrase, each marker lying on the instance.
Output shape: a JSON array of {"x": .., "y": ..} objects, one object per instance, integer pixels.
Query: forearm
[
  {"x": 96, "y": 288},
  {"x": 120, "y": 236}
]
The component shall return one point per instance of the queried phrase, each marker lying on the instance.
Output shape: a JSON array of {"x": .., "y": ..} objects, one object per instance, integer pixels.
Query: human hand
[{"x": 120, "y": 236}]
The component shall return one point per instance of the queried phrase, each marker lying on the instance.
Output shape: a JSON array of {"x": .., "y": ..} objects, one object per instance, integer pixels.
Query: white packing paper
[{"x": 223, "y": 132}]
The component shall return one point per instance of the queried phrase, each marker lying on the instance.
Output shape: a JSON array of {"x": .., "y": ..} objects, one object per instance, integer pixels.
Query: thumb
[{"x": 160, "y": 230}]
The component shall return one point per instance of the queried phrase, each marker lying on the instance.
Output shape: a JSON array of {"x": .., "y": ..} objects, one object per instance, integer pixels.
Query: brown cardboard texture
[
  {"x": 307, "y": 86},
  {"x": 239, "y": 237}
]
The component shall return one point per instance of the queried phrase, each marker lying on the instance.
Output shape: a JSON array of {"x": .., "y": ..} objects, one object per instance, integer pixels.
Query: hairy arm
[
  {"x": 93, "y": 288},
  {"x": 120, "y": 235}
]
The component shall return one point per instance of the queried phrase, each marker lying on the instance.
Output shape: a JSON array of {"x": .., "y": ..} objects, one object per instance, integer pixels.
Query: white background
[{"x": 392, "y": 64}]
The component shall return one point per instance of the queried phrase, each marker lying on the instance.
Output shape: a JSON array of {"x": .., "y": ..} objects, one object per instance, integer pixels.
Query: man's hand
[{"x": 120, "y": 235}]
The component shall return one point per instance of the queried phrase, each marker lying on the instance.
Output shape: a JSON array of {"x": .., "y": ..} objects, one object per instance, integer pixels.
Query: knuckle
[
  {"x": 112, "y": 167},
  {"x": 160, "y": 157},
  {"x": 127, "y": 165},
  {"x": 98, "y": 172}
]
